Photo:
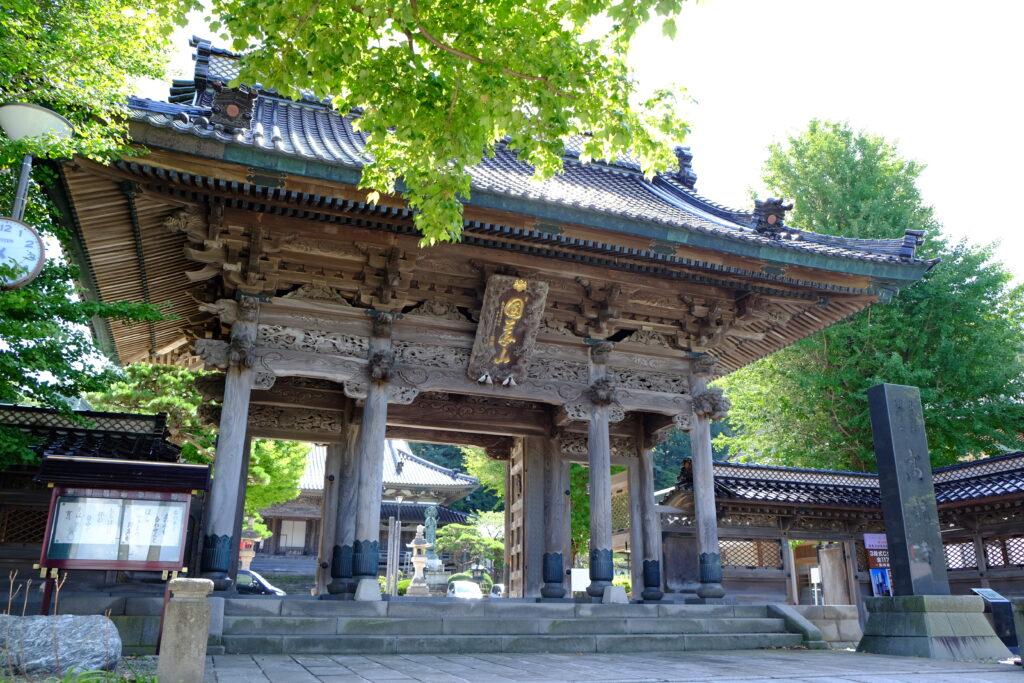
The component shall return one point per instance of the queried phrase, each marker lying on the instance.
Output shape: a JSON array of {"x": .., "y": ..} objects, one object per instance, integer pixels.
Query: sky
[{"x": 941, "y": 79}]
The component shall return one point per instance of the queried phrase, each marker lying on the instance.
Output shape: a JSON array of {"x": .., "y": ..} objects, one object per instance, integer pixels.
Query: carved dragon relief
[{"x": 711, "y": 404}]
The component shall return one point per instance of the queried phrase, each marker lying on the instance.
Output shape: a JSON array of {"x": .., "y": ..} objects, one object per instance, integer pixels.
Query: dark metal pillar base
[
  {"x": 601, "y": 571},
  {"x": 652, "y": 580},
  {"x": 215, "y": 561},
  {"x": 365, "y": 559},
  {"x": 341, "y": 570},
  {"x": 710, "y": 576},
  {"x": 554, "y": 576}
]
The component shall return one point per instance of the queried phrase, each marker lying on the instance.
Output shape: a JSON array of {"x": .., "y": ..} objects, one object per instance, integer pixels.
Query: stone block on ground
[
  {"x": 950, "y": 627},
  {"x": 55, "y": 645},
  {"x": 368, "y": 590},
  {"x": 614, "y": 595}
]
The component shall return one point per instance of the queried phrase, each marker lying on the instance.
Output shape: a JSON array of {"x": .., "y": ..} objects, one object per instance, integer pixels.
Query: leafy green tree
[
  {"x": 440, "y": 84},
  {"x": 146, "y": 388},
  {"x": 79, "y": 58},
  {"x": 483, "y": 538},
  {"x": 47, "y": 356},
  {"x": 957, "y": 334},
  {"x": 275, "y": 467}
]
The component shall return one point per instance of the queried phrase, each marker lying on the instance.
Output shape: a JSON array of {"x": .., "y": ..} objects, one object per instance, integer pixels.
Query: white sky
[{"x": 942, "y": 79}]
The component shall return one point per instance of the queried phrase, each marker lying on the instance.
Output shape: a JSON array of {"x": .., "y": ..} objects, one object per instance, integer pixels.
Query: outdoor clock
[{"x": 20, "y": 244}]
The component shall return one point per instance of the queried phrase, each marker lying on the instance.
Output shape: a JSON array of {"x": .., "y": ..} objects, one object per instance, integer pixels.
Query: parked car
[
  {"x": 251, "y": 583},
  {"x": 466, "y": 590},
  {"x": 497, "y": 590}
]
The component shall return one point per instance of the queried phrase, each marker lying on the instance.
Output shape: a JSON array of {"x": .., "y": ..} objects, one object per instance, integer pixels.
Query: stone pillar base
[
  {"x": 936, "y": 626},
  {"x": 368, "y": 590}
]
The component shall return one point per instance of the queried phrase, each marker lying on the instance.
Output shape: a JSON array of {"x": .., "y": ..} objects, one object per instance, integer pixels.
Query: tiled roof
[
  {"x": 311, "y": 130},
  {"x": 965, "y": 482},
  {"x": 402, "y": 469},
  {"x": 417, "y": 512},
  {"x": 121, "y": 436}
]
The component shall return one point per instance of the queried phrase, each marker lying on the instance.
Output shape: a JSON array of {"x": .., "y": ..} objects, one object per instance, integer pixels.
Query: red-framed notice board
[{"x": 103, "y": 528}]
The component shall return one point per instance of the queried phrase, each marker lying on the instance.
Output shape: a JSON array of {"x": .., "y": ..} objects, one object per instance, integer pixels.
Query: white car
[{"x": 466, "y": 590}]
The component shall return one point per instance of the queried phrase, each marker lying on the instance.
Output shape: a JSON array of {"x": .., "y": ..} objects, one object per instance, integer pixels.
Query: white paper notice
[{"x": 93, "y": 521}]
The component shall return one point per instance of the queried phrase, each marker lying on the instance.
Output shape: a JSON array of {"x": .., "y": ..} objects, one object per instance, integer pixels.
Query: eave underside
[{"x": 274, "y": 242}]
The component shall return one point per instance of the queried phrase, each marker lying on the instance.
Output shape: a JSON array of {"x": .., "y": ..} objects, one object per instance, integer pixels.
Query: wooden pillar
[
  {"x": 219, "y": 539},
  {"x": 333, "y": 456},
  {"x": 789, "y": 567},
  {"x": 243, "y": 481},
  {"x": 982, "y": 561},
  {"x": 708, "y": 405},
  {"x": 599, "y": 458},
  {"x": 366, "y": 549},
  {"x": 535, "y": 455},
  {"x": 852, "y": 585},
  {"x": 650, "y": 520},
  {"x": 556, "y": 519},
  {"x": 636, "y": 533},
  {"x": 345, "y": 513}
]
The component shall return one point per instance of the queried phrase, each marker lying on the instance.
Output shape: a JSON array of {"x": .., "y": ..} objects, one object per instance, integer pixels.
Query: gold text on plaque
[{"x": 513, "y": 311}]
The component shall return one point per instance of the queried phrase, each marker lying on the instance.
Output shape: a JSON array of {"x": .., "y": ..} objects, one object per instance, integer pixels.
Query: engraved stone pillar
[
  {"x": 366, "y": 549},
  {"x": 599, "y": 458},
  {"x": 708, "y": 405},
  {"x": 908, "y": 494},
  {"x": 556, "y": 484},
  {"x": 219, "y": 541},
  {"x": 345, "y": 514},
  {"x": 650, "y": 521}
]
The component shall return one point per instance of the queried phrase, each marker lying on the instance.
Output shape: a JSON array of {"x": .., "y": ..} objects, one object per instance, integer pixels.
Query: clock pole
[{"x": 21, "y": 193}]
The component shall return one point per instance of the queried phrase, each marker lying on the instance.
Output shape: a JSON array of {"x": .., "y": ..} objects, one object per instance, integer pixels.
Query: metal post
[{"x": 21, "y": 193}]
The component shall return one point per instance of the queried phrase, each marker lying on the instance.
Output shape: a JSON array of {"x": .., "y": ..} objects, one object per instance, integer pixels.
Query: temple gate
[{"x": 579, "y": 318}]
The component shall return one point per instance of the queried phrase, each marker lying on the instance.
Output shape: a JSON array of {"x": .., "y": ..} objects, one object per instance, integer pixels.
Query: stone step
[
  {"x": 488, "y": 608},
  {"x": 469, "y": 626},
  {"x": 451, "y": 644}
]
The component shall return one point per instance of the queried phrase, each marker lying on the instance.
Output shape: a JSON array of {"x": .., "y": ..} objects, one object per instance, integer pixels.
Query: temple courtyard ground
[{"x": 748, "y": 665}]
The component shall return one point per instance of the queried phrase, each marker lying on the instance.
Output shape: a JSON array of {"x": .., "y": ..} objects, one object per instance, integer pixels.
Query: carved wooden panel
[
  {"x": 509, "y": 321},
  {"x": 515, "y": 523}
]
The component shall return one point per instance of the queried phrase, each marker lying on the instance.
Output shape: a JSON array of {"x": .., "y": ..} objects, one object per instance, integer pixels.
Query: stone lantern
[{"x": 418, "y": 584}]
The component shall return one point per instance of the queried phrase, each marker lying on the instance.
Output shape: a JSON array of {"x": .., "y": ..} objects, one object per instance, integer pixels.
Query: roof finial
[
  {"x": 769, "y": 216},
  {"x": 686, "y": 176}
]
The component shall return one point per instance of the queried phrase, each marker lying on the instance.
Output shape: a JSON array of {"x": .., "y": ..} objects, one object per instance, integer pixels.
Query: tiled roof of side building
[
  {"x": 994, "y": 477},
  {"x": 401, "y": 468},
  {"x": 311, "y": 130}
]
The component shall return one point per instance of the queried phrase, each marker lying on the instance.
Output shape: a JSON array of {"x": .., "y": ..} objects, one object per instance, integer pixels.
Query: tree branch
[{"x": 479, "y": 60}]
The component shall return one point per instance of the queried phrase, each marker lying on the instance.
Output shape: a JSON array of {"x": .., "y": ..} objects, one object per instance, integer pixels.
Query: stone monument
[
  {"x": 418, "y": 585},
  {"x": 921, "y": 618}
]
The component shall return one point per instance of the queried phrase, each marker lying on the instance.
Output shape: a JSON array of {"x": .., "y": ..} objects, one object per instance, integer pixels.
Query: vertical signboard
[{"x": 877, "y": 548}]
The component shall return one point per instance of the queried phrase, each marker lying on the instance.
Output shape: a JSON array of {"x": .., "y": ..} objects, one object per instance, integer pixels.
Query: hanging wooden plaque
[{"x": 509, "y": 320}]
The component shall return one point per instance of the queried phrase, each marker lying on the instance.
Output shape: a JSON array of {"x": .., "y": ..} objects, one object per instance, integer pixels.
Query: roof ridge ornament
[
  {"x": 769, "y": 217},
  {"x": 232, "y": 108},
  {"x": 685, "y": 175}
]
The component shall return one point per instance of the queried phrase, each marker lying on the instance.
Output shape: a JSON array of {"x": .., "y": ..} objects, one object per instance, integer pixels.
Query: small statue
[{"x": 430, "y": 524}]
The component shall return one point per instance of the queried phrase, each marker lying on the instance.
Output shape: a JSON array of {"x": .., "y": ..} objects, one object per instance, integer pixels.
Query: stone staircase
[{"x": 276, "y": 626}]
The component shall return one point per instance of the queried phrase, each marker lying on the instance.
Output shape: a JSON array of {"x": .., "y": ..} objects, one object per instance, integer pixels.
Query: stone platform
[
  {"x": 276, "y": 626},
  {"x": 937, "y": 626}
]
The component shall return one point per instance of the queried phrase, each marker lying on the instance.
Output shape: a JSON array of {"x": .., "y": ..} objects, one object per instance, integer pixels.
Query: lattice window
[
  {"x": 1004, "y": 552},
  {"x": 960, "y": 555},
  {"x": 862, "y": 556},
  {"x": 22, "y": 524},
  {"x": 620, "y": 512},
  {"x": 750, "y": 553}
]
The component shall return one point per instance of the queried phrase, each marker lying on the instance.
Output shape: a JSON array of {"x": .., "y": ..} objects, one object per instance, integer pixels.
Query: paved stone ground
[{"x": 722, "y": 667}]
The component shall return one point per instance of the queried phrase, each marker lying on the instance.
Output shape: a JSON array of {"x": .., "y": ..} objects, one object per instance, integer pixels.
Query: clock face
[{"x": 20, "y": 245}]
